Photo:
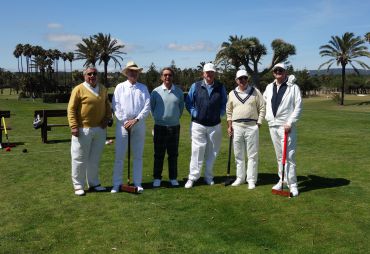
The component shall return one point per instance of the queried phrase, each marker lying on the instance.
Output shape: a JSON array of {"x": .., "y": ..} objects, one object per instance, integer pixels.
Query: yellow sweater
[{"x": 88, "y": 110}]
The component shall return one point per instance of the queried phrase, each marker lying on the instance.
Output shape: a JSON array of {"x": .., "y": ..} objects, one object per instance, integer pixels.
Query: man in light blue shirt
[{"x": 167, "y": 105}]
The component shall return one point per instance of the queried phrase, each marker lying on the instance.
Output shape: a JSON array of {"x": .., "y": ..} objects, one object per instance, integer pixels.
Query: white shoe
[
  {"x": 115, "y": 189},
  {"x": 251, "y": 185},
  {"x": 174, "y": 183},
  {"x": 189, "y": 184},
  {"x": 156, "y": 183},
  {"x": 294, "y": 191},
  {"x": 237, "y": 182},
  {"x": 79, "y": 192},
  {"x": 278, "y": 186},
  {"x": 209, "y": 182},
  {"x": 140, "y": 189}
]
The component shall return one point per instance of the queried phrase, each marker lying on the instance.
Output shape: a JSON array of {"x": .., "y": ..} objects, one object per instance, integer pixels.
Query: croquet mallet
[
  {"x": 128, "y": 187},
  {"x": 229, "y": 180},
  {"x": 283, "y": 192}
]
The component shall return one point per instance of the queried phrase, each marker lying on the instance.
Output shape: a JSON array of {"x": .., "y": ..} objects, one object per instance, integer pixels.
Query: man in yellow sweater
[
  {"x": 88, "y": 114},
  {"x": 245, "y": 110}
]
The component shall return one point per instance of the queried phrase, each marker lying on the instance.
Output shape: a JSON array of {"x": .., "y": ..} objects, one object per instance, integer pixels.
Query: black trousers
[{"x": 166, "y": 139}]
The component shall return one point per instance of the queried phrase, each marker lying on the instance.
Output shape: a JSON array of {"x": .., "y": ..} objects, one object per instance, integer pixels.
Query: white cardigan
[{"x": 289, "y": 109}]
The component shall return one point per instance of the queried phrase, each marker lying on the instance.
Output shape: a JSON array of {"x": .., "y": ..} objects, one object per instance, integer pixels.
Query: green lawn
[{"x": 40, "y": 213}]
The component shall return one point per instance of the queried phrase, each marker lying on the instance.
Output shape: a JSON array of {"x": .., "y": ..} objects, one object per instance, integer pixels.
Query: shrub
[{"x": 55, "y": 98}]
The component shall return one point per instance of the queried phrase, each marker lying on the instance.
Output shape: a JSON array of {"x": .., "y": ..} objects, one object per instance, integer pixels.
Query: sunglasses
[
  {"x": 279, "y": 70},
  {"x": 91, "y": 74},
  {"x": 243, "y": 77},
  {"x": 167, "y": 75}
]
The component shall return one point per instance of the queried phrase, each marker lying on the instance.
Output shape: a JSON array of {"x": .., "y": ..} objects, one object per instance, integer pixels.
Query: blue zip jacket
[{"x": 206, "y": 104}]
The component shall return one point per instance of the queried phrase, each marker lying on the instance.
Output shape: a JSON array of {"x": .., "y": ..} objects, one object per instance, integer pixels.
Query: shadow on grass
[
  {"x": 357, "y": 103},
  {"x": 305, "y": 183},
  {"x": 55, "y": 141},
  {"x": 313, "y": 182}
]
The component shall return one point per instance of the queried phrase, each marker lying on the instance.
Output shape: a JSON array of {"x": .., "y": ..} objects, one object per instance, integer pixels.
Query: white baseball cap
[
  {"x": 241, "y": 73},
  {"x": 279, "y": 65},
  {"x": 209, "y": 67}
]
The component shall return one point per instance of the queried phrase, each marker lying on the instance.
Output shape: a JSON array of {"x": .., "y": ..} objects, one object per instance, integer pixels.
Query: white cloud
[
  {"x": 129, "y": 48},
  {"x": 65, "y": 42},
  {"x": 197, "y": 46},
  {"x": 54, "y": 26}
]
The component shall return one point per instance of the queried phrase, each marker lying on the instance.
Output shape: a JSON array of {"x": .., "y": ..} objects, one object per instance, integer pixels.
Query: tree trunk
[
  {"x": 256, "y": 80},
  {"x": 343, "y": 82},
  {"x": 105, "y": 73}
]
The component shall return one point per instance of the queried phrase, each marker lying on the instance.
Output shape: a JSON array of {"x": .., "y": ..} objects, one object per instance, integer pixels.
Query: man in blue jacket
[{"x": 206, "y": 103}]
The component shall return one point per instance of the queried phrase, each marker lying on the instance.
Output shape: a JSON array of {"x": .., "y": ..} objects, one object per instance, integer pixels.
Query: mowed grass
[{"x": 39, "y": 212}]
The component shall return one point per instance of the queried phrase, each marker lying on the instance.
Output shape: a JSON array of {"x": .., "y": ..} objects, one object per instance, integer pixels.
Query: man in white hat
[
  {"x": 206, "y": 103},
  {"x": 131, "y": 106},
  {"x": 245, "y": 110},
  {"x": 89, "y": 112},
  {"x": 283, "y": 108}
]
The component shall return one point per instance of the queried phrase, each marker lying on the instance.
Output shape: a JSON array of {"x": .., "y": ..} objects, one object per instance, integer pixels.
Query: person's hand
[
  {"x": 74, "y": 132},
  {"x": 287, "y": 127},
  {"x": 130, "y": 123},
  {"x": 230, "y": 131}
]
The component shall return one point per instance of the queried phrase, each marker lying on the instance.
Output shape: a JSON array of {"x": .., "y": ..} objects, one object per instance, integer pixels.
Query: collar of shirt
[
  {"x": 204, "y": 83},
  {"x": 94, "y": 90},
  {"x": 130, "y": 84},
  {"x": 245, "y": 90},
  {"x": 166, "y": 89}
]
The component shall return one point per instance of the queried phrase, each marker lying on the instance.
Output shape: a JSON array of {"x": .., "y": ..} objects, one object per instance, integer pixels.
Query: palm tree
[
  {"x": 27, "y": 52},
  {"x": 64, "y": 57},
  {"x": 200, "y": 66},
  {"x": 109, "y": 49},
  {"x": 248, "y": 52},
  {"x": 342, "y": 51},
  {"x": 36, "y": 52},
  {"x": 87, "y": 50},
  {"x": 367, "y": 37},
  {"x": 18, "y": 54},
  {"x": 56, "y": 55},
  {"x": 71, "y": 56},
  {"x": 231, "y": 51}
]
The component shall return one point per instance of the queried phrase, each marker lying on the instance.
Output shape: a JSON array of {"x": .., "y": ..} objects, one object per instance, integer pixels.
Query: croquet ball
[
  {"x": 24, "y": 150},
  {"x": 7, "y": 149}
]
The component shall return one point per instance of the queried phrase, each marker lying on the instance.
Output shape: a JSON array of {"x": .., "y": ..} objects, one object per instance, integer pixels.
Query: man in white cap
[
  {"x": 206, "y": 103},
  {"x": 89, "y": 112},
  {"x": 131, "y": 106},
  {"x": 245, "y": 110},
  {"x": 283, "y": 108}
]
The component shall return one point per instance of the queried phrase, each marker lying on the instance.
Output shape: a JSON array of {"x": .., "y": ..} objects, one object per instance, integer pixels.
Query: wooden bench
[
  {"x": 5, "y": 114},
  {"x": 46, "y": 126}
]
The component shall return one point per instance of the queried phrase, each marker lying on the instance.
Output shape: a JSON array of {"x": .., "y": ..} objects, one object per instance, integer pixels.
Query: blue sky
[{"x": 188, "y": 32}]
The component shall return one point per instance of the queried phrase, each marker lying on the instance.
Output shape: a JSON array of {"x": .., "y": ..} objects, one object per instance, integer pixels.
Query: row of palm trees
[
  {"x": 237, "y": 52},
  {"x": 99, "y": 48},
  {"x": 41, "y": 60}
]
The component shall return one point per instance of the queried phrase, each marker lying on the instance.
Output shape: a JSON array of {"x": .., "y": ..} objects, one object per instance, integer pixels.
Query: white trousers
[
  {"x": 205, "y": 145},
  {"x": 277, "y": 137},
  {"x": 246, "y": 139},
  {"x": 137, "y": 148},
  {"x": 86, "y": 150}
]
